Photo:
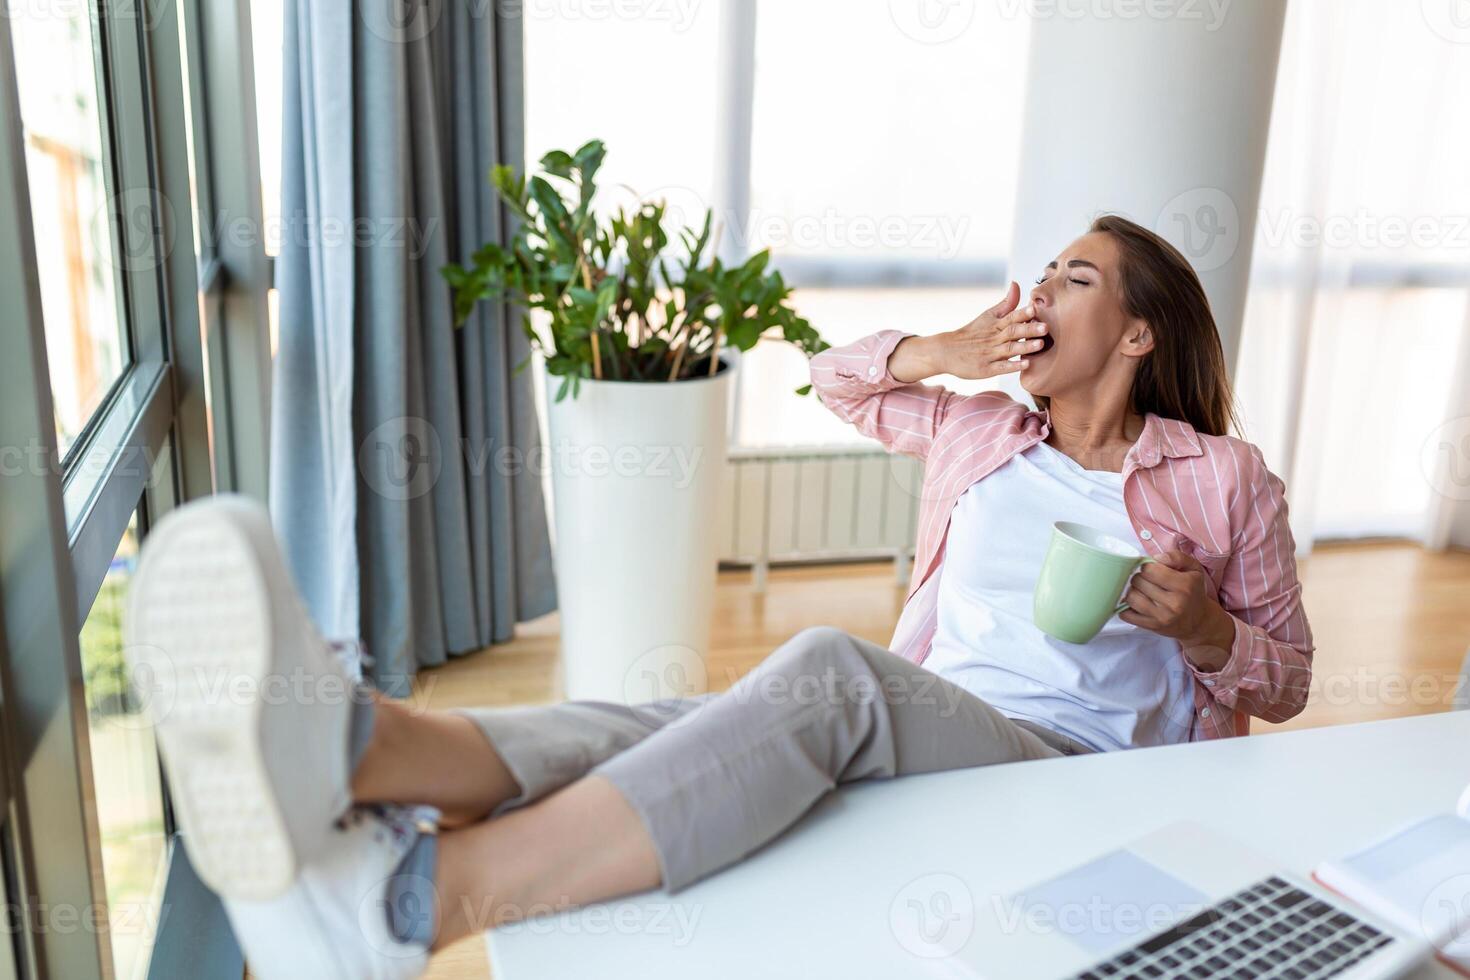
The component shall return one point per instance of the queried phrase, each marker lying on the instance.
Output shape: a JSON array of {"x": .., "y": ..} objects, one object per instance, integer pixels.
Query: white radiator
[{"x": 816, "y": 504}]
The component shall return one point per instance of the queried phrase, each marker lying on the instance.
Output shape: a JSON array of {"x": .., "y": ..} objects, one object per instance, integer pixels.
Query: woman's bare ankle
[
  {"x": 436, "y": 758},
  {"x": 372, "y": 777}
]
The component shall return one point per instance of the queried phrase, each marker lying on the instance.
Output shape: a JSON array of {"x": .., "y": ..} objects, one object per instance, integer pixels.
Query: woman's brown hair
[{"x": 1184, "y": 376}]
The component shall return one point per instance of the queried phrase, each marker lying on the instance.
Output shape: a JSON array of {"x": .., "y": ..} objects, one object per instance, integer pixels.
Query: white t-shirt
[{"x": 1128, "y": 687}]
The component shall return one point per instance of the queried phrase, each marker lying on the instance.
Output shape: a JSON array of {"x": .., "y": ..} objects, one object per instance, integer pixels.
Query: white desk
[{"x": 817, "y": 902}]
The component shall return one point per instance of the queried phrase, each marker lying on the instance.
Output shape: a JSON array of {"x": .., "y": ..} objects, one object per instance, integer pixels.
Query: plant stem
[
  {"x": 679, "y": 356},
  {"x": 587, "y": 284},
  {"x": 714, "y": 348}
]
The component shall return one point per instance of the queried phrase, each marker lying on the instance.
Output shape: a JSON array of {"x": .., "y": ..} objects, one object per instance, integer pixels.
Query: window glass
[
  {"x": 657, "y": 117},
  {"x": 127, "y": 789},
  {"x": 771, "y": 414},
  {"x": 70, "y": 209},
  {"x": 266, "y": 25}
]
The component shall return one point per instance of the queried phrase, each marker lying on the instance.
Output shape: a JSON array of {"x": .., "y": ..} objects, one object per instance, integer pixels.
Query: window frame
[{"x": 189, "y": 415}]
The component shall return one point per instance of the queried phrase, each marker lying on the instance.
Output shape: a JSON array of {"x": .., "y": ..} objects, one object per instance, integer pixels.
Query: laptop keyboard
[{"x": 1271, "y": 930}]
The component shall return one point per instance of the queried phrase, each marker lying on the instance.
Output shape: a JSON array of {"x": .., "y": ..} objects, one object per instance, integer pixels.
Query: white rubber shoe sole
[{"x": 250, "y": 708}]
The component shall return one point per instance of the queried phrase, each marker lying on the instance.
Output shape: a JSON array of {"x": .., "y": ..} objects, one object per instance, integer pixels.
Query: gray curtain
[{"x": 401, "y": 447}]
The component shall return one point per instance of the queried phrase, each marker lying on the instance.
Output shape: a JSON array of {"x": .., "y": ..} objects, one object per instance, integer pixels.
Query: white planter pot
[{"x": 637, "y": 471}]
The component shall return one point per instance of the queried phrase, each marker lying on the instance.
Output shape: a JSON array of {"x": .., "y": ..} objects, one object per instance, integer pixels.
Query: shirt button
[
  {"x": 1146, "y": 534},
  {"x": 1207, "y": 682},
  {"x": 872, "y": 370},
  {"x": 1205, "y": 713}
]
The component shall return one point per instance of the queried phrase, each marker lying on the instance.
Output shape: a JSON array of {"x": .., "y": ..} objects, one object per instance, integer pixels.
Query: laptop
[{"x": 1188, "y": 902}]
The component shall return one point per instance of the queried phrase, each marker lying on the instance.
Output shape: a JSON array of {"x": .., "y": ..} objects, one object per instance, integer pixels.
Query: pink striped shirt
[{"x": 1211, "y": 497}]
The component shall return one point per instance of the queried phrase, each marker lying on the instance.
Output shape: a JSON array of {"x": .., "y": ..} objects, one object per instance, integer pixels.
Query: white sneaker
[
  {"x": 333, "y": 923},
  {"x": 252, "y": 709}
]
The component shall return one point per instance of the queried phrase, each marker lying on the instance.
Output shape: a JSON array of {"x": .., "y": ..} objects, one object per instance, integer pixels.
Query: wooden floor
[{"x": 1391, "y": 623}]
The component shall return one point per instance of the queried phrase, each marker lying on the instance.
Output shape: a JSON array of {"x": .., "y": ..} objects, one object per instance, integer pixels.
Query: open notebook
[{"x": 1417, "y": 877}]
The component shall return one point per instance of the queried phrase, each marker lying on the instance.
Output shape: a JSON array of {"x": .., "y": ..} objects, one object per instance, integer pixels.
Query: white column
[
  {"x": 734, "y": 112},
  {"x": 1158, "y": 111},
  {"x": 734, "y": 130}
]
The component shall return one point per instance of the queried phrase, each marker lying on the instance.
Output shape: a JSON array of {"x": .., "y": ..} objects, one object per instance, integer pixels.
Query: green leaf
[
  {"x": 490, "y": 254},
  {"x": 607, "y": 293},
  {"x": 589, "y": 158},
  {"x": 755, "y": 265},
  {"x": 558, "y": 163},
  {"x": 632, "y": 270},
  {"x": 553, "y": 210},
  {"x": 744, "y": 333},
  {"x": 512, "y": 189}
]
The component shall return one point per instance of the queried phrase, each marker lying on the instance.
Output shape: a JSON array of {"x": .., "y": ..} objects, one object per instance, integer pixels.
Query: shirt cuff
[
  {"x": 1234, "y": 668},
  {"x": 876, "y": 371}
]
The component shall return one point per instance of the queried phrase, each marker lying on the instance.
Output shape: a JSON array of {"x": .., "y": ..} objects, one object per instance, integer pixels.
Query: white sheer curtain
[{"x": 1355, "y": 334}]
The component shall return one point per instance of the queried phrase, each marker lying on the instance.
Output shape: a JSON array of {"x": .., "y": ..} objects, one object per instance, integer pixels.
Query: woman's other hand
[
  {"x": 1170, "y": 597},
  {"x": 980, "y": 349}
]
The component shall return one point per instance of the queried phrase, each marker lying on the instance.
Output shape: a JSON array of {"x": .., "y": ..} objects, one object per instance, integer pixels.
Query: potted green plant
[{"x": 639, "y": 321}]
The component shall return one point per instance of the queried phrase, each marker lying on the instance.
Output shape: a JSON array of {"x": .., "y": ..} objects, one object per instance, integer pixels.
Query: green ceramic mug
[{"x": 1083, "y": 577}]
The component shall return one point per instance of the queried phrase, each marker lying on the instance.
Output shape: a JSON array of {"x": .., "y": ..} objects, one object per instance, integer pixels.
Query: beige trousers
[{"x": 715, "y": 777}]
